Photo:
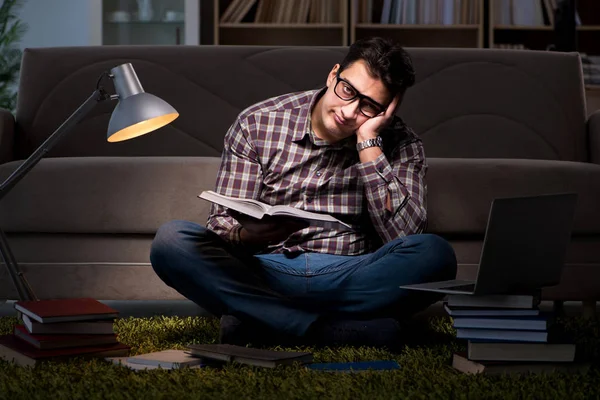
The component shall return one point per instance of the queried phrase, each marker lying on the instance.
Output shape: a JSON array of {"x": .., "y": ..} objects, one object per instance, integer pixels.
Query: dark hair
[{"x": 386, "y": 60}]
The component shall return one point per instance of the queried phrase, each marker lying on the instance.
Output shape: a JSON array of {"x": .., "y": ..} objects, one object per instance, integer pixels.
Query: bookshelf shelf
[
  {"x": 274, "y": 25},
  {"x": 417, "y": 26}
]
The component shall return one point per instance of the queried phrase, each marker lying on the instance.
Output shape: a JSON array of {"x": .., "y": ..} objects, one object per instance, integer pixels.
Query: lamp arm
[
  {"x": 23, "y": 288},
  {"x": 96, "y": 97}
]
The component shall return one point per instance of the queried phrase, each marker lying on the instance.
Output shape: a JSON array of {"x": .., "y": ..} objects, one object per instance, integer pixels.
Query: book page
[
  {"x": 321, "y": 219},
  {"x": 253, "y": 208}
]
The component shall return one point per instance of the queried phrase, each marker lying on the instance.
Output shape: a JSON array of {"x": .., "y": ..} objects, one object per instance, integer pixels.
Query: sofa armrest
[
  {"x": 7, "y": 135},
  {"x": 593, "y": 133}
]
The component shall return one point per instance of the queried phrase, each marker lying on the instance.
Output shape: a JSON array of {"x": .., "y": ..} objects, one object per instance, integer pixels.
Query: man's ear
[{"x": 332, "y": 74}]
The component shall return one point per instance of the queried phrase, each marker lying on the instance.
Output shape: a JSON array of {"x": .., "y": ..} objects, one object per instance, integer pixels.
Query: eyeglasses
[{"x": 367, "y": 106}]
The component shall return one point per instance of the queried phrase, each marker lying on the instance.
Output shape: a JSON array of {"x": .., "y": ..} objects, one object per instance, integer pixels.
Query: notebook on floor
[{"x": 524, "y": 248}]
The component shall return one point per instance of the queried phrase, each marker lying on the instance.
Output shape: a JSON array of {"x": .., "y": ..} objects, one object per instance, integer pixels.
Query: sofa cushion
[
  {"x": 461, "y": 190},
  {"x": 107, "y": 194}
]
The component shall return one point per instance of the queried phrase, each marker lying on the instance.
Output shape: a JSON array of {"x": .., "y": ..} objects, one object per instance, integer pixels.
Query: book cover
[
  {"x": 247, "y": 355},
  {"x": 62, "y": 341},
  {"x": 490, "y": 312},
  {"x": 461, "y": 363},
  {"x": 96, "y": 327},
  {"x": 493, "y": 301},
  {"x": 166, "y": 359},
  {"x": 376, "y": 365},
  {"x": 520, "y": 351},
  {"x": 143, "y": 367},
  {"x": 258, "y": 210},
  {"x": 22, "y": 353},
  {"x": 62, "y": 310},
  {"x": 502, "y": 335},
  {"x": 537, "y": 323}
]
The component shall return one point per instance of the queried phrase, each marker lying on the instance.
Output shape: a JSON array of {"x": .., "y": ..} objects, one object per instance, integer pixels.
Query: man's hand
[
  {"x": 371, "y": 128},
  {"x": 268, "y": 230}
]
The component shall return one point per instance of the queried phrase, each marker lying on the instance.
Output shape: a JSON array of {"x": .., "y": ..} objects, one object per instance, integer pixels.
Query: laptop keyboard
[{"x": 467, "y": 288}]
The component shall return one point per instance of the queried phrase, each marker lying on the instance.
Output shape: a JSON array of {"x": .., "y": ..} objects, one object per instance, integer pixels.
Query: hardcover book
[
  {"x": 15, "y": 350},
  {"x": 258, "y": 210},
  {"x": 166, "y": 359},
  {"x": 247, "y": 355},
  {"x": 62, "y": 310},
  {"x": 45, "y": 342},
  {"x": 493, "y": 301},
  {"x": 99, "y": 327},
  {"x": 490, "y": 312},
  {"x": 519, "y": 351},
  {"x": 461, "y": 363}
]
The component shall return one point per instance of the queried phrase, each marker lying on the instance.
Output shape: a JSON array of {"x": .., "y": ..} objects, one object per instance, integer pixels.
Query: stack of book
[
  {"x": 508, "y": 334},
  {"x": 61, "y": 329}
]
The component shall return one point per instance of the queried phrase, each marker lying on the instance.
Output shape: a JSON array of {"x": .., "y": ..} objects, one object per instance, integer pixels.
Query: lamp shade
[{"x": 137, "y": 112}]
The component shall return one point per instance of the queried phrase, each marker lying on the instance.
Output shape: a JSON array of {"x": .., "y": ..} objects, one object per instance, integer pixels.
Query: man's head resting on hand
[{"x": 361, "y": 87}]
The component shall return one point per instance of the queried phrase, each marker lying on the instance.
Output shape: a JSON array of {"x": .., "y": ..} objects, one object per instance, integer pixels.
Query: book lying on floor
[
  {"x": 62, "y": 310},
  {"x": 520, "y": 351},
  {"x": 247, "y": 355},
  {"x": 46, "y": 342},
  {"x": 357, "y": 366},
  {"x": 166, "y": 359},
  {"x": 258, "y": 210},
  {"x": 143, "y": 367},
  {"x": 461, "y": 363},
  {"x": 493, "y": 301},
  {"x": 97, "y": 327},
  {"x": 22, "y": 353}
]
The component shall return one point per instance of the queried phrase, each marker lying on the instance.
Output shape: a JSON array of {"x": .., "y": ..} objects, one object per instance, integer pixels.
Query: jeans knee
[
  {"x": 443, "y": 258},
  {"x": 436, "y": 255},
  {"x": 170, "y": 240}
]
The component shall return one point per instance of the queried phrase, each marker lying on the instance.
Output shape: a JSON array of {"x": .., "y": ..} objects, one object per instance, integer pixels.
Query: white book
[
  {"x": 166, "y": 359},
  {"x": 258, "y": 210},
  {"x": 526, "y": 324},
  {"x": 501, "y": 334}
]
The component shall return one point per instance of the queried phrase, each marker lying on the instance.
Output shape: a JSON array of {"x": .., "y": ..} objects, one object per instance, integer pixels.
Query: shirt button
[{"x": 319, "y": 173}]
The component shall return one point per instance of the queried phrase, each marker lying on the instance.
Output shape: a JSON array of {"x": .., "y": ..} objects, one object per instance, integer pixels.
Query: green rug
[{"x": 425, "y": 371}]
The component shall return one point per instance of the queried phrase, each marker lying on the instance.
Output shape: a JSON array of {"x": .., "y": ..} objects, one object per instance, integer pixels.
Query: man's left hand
[{"x": 371, "y": 128}]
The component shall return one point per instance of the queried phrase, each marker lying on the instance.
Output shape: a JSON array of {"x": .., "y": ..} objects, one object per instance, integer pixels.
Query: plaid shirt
[{"x": 271, "y": 154}]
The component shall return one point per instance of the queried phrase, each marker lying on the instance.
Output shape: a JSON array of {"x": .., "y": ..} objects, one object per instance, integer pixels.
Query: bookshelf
[
  {"x": 420, "y": 23},
  {"x": 280, "y": 22},
  {"x": 531, "y": 25}
]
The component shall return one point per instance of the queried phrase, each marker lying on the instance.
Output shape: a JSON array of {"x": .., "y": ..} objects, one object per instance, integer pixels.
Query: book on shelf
[
  {"x": 461, "y": 363},
  {"x": 15, "y": 350},
  {"x": 258, "y": 210},
  {"x": 97, "y": 327},
  {"x": 247, "y": 355},
  {"x": 490, "y": 312},
  {"x": 63, "y": 310},
  {"x": 519, "y": 351},
  {"x": 166, "y": 359},
  {"x": 493, "y": 301},
  {"x": 537, "y": 323},
  {"x": 45, "y": 342}
]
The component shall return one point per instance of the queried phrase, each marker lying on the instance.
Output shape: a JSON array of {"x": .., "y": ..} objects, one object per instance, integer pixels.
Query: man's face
[{"x": 335, "y": 119}]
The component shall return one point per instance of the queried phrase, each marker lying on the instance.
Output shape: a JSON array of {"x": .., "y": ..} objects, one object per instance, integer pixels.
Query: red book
[
  {"x": 22, "y": 353},
  {"x": 62, "y": 310},
  {"x": 62, "y": 341}
]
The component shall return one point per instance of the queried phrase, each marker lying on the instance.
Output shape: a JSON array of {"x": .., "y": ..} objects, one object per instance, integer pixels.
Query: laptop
[{"x": 524, "y": 248}]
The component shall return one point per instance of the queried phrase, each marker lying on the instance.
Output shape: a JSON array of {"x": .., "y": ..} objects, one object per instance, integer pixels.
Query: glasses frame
[{"x": 358, "y": 95}]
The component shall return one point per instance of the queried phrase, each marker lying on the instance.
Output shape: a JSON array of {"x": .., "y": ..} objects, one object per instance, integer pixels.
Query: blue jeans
[{"x": 287, "y": 293}]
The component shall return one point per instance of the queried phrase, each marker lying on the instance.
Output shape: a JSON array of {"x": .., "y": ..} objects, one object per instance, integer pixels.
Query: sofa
[{"x": 495, "y": 123}]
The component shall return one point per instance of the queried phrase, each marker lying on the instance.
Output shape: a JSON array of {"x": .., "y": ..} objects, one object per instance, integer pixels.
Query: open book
[{"x": 258, "y": 210}]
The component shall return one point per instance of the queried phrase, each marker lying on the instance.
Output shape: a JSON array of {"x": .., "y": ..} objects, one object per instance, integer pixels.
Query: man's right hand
[{"x": 268, "y": 230}]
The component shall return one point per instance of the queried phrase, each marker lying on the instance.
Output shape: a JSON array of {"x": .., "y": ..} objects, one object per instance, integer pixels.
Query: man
[{"x": 339, "y": 150}]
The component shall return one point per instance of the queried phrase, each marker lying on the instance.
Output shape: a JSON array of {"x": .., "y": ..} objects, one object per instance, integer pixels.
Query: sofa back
[{"x": 473, "y": 103}]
